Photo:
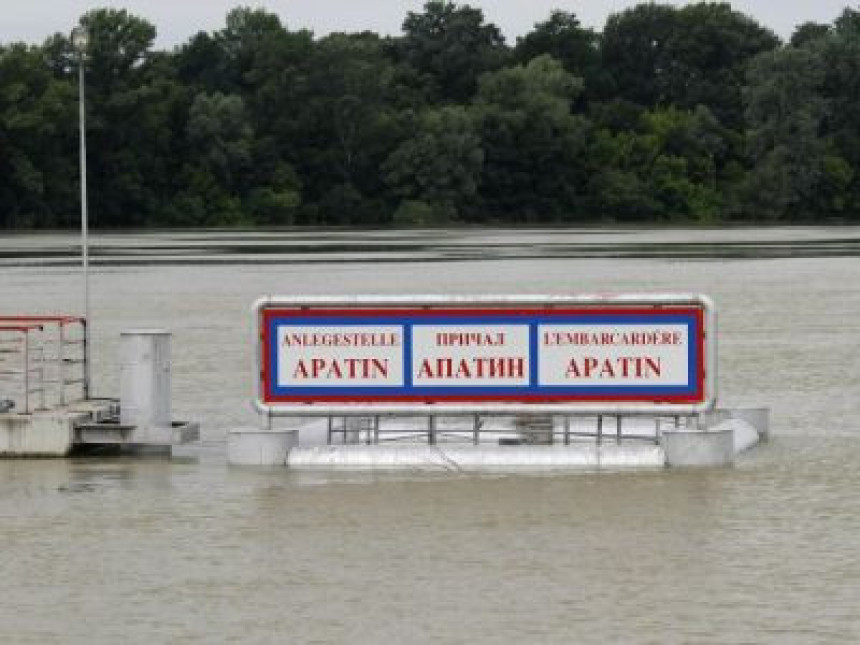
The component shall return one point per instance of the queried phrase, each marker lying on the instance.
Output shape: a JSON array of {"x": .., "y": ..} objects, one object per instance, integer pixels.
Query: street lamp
[{"x": 80, "y": 42}]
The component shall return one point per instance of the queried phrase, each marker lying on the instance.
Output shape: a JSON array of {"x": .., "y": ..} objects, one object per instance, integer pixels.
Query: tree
[
  {"x": 808, "y": 33},
  {"x": 796, "y": 173},
  {"x": 675, "y": 112},
  {"x": 633, "y": 49},
  {"x": 203, "y": 64},
  {"x": 132, "y": 101},
  {"x": 618, "y": 186},
  {"x": 533, "y": 144},
  {"x": 696, "y": 55},
  {"x": 347, "y": 127},
  {"x": 451, "y": 46},
  {"x": 710, "y": 51},
  {"x": 235, "y": 59},
  {"x": 439, "y": 166},
  {"x": 219, "y": 140},
  {"x": 38, "y": 177},
  {"x": 838, "y": 50},
  {"x": 119, "y": 44},
  {"x": 685, "y": 173},
  {"x": 665, "y": 170},
  {"x": 564, "y": 38},
  {"x": 255, "y": 58}
]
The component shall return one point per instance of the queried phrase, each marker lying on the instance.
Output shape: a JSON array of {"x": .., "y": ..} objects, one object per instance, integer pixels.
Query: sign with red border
[{"x": 511, "y": 353}]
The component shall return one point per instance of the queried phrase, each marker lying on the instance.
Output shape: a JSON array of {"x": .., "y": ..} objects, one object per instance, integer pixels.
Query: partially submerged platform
[
  {"x": 46, "y": 409},
  {"x": 61, "y": 430},
  {"x": 561, "y": 443},
  {"x": 49, "y": 433}
]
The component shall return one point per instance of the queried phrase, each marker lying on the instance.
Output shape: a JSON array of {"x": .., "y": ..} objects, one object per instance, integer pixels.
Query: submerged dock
[
  {"x": 45, "y": 405},
  {"x": 50, "y": 432}
]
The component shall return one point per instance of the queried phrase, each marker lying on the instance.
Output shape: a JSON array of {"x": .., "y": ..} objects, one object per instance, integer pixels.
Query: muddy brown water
[{"x": 189, "y": 550}]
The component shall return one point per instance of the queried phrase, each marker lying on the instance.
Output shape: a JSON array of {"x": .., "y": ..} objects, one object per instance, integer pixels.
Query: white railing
[
  {"x": 42, "y": 361},
  {"x": 479, "y": 430}
]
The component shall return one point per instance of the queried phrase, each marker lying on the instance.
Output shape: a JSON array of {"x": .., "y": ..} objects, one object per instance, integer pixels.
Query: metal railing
[
  {"x": 476, "y": 429},
  {"x": 43, "y": 361}
]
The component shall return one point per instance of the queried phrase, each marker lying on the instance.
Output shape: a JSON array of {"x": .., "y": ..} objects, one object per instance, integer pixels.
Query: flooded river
[{"x": 188, "y": 550}]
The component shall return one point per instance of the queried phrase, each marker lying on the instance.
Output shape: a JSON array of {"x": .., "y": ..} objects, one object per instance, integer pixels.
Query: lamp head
[{"x": 80, "y": 39}]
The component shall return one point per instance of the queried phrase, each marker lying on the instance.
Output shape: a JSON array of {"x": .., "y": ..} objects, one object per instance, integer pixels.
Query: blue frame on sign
[{"x": 407, "y": 320}]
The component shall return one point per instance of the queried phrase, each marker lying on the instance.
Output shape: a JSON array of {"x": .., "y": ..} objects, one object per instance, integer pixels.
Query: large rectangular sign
[{"x": 616, "y": 353}]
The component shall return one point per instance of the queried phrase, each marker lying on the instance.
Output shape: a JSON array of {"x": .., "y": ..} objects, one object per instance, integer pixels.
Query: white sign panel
[
  {"x": 612, "y": 354},
  {"x": 475, "y": 355},
  {"x": 340, "y": 356}
]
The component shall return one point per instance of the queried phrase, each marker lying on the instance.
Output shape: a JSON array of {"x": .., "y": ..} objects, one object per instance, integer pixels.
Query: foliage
[
  {"x": 696, "y": 55},
  {"x": 564, "y": 38},
  {"x": 692, "y": 113},
  {"x": 38, "y": 173},
  {"x": 451, "y": 47},
  {"x": 533, "y": 144},
  {"x": 667, "y": 170},
  {"x": 438, "y": 168},
  {"x": 795, "y": 167}
]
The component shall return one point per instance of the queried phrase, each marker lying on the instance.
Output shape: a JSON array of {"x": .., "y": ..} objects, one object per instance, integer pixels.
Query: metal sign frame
[{"x": 327, "y": 405}]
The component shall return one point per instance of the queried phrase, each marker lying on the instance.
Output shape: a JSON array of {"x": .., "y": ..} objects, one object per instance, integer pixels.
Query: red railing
[{"x": 43, "y": 358}]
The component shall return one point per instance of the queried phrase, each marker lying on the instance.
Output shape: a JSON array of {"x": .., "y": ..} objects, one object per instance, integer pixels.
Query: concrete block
[
  {"x": 254, "y": 447},
  {"x": 758, "y": 418},
  {"x": 41, "y": 434},
  {"x": 699, "y": 448}
]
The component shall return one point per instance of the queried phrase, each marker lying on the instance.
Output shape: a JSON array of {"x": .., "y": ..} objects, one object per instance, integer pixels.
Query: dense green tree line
[{"x": 691, "y": 114}]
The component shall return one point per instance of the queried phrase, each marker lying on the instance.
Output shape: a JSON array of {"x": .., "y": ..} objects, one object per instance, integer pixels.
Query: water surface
[{"x": 102, "y": 550}]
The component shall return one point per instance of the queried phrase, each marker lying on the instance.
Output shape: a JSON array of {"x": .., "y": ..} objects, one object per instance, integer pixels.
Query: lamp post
[{"x": 80, "y": 41}]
